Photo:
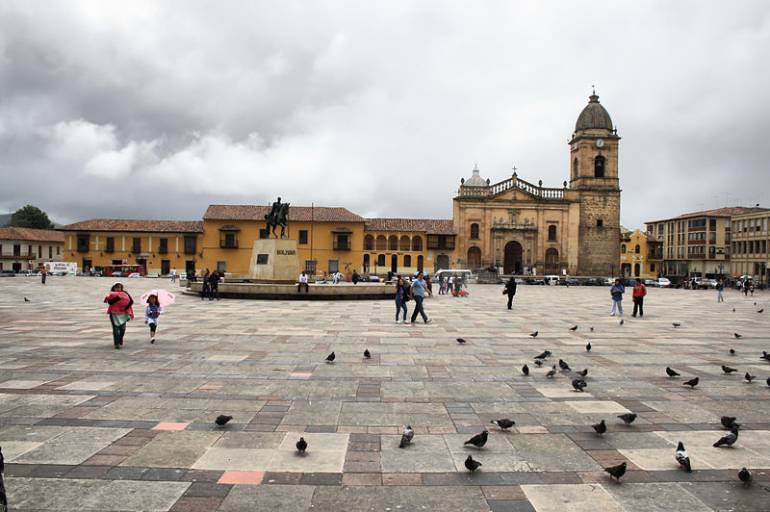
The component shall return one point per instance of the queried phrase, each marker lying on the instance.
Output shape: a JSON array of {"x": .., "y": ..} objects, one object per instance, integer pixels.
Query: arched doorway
[
  {"x": 394, "y": 263},
  {"x": 474, "y": 258},
  {"x": 551, "y": 261},
  {"x": 512, "y": 260},
  {"x": 636, "y": 269},
  {"x": 366, "y": 262},
  {"x": 442, "y": 261}
]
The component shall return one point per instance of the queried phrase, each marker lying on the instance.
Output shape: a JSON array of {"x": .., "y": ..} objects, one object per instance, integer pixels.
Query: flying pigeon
[
  {"x": 692, "y": 382},
  {"x": 579, "y": 384},
  {"x": 617, "y": 471},
  {"x": 588, "y": 347},
  {"x": 534, "y": 334},
  {"x": 732, "y": 351},
  {"x": 744, "y": 475},
  {"x": 525, "y": 370},
  {"x": 551, "y": 372},
  {"x": 573, "y": 328},
  {"x": 682, "y": 458},
  {"x": 222, "y": 420},
  {"x": 479, "y": 440},
  {"x": 728, "y": 422},
  {"x": 628, "y": 417},
  {"x": 472, "y": 465},
  {"x": 26, "y": 300},
  {"x": 671, "y": 372},
  {"x": 583, "y": 372},
  {"x": 367, "y": 354},
  {"x": 676, "y": 324},
  {"x": 543, "y": 355},
  {"x": 504, "y": 423},
  {"x": 301, "y": 445},
  {"x": 737, "y": 336},
  {"x": 600, "y": 427},
  {"x": 406, "y": 436},
  {"x": 461, "y": 341},
  {"x": 330, "y": 358},
  {"x": 564, "y": 366},
  {"x": 749, "y": 377},
  {"x": 538, "y": 362},
  {"x": 728, "y": 370},
  {"x": 761, "y": 310},
  {"x": 728, "y": 439}
]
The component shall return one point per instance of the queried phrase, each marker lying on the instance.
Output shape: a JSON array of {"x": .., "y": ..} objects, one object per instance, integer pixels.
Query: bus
[{"x": 122, "y": 270}]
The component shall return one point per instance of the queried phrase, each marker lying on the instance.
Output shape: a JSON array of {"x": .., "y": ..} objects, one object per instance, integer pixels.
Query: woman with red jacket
[
  {"x": 120, "y": 312},
  {"x": 639, "y": 292}
]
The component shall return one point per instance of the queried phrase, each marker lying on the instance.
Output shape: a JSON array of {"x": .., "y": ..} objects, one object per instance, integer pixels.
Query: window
[
  {"x": 419, "y": 263},
  {"x": 599, "y": 167},
  {"x": 441, "y": 242},
  {"x": 417, "y": 243},
  {"x": 623, "y": 248},
  {"x": 551, "y": 233},
  {"x": 303, "y": 238},
  {"x": 366, "y": 263},
  {"x": 382, "y": 243},
  {"x": 404, "y": 243},
  {"x": 697, "y": 223},
  {"x": 380, "y": 260},
  {"x": 83, "y": 243},
  {"x": 50, "y": 252},
  {"x": 652, "y": 267},
  {"x": 637, "y": 249},
  {"x": 17, "y": 250},
  {"x": 163, "y": 248},
  {"x": 228, "y": 240},
  {"x": 392, "y": 243},
  {"x": 58, "y": 250},
  {"x": 190, "y": 244},
  {"x": 341, "y": 242},
  {"x": 334, "y": 266},
  {"x": 712, "y": 224},
  {"x": 599, "y": 223},
  {"x": 39, "y": 251},
  {"x": 262, "y": 259},
  {"x": 368, "y": 243},
  {"x": 221, "y": 267},
  {"x": 474, "y": 231},
  {"x": 407, "y": 261},
  {"x": 136, "y": 245},
  {"x": 264, "y": 234},
  {"x": 110, "y": 246},
  {"x": 310, "y": 267}
]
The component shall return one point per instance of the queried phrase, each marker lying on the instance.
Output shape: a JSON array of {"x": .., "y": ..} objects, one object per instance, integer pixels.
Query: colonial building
[
  {"x": 408, "y": 245},
  {"x": 27, "y": 249},
  {"x": 750, "y": 253},
  {"x": 527, "y": 228},
  {"x": 638, "y": 256}
]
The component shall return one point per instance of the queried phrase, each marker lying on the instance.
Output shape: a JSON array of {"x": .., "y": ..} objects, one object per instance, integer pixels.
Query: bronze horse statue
[{"x": 278, "y": 216}]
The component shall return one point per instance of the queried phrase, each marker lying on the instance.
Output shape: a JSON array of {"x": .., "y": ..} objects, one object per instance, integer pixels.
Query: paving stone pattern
[{"x": 87, "y": 427}]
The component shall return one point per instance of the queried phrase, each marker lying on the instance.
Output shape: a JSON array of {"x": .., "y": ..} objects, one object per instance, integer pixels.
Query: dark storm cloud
[{"x": 156, "y": 109}]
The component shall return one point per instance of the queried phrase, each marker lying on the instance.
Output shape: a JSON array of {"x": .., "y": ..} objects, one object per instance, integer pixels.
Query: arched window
[
  {"x": 382, "y": 243},
  {"x": 380, "y": 260},
  {"x": 637, "y": 250},
  {"x": 575, "y": 166},
  {"x": 368, "y": 243},
  {"x": 404, "y": 243},
  {"x": 551, "y": 233},
  {"x": 599, "y": 167},
  {"x": 407, "y": 261},
  {"x": 474, "y": 231},
  {"x": 417, "y": 243},
  {"x": 366, "y": 263},
  {"x": 392, "y": 243},
  {"x": 623, "y": 248}
]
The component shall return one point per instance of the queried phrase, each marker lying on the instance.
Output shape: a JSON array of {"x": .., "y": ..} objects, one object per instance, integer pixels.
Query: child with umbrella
[{"x": 156, "y": 300}]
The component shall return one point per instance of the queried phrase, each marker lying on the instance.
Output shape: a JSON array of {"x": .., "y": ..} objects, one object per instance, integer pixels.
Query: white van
[{"x": 552, "y": 280}]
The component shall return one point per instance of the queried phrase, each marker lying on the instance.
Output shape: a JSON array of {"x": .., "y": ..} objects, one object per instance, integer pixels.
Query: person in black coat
[
  {"x": 214, "y": 285},
  {"x": 510, "y": 291}
]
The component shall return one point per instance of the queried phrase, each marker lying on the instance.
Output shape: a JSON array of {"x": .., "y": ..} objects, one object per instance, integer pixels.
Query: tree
[{"x": 30, "y": 217}]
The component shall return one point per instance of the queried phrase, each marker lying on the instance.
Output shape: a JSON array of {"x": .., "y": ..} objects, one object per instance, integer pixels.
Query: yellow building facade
[
  {"x": 637, "y": 258},
  {"x": 406, "y": 246}
]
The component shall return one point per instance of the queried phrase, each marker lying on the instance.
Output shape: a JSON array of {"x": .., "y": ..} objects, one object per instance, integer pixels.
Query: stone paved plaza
[{"x": 87, "y": 427}]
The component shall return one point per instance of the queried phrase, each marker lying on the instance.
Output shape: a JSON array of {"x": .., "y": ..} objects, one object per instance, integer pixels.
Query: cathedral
[{"x": 526, "y": 228}]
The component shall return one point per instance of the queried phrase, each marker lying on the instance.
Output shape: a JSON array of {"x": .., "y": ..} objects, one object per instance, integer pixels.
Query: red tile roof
[
  {"x": 430, "y": 226},
  {"x": 296, "y": 213},
  {"x": 717, "y": 212},
  {"x": 31, "y": 235},
  {"x": 136, "y": 225}
]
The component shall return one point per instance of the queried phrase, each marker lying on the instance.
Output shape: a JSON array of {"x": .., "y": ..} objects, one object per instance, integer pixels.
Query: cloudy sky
[{"x": 157, "y": 109}]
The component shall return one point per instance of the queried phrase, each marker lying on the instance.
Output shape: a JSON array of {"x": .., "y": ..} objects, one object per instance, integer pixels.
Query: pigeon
[
  {"x": 538, "y": 362},
  {"x": 472, "y": 465},
  {"x": 504, "y": 423},
  {"x": 534, "y": 334},
  {"x": 765, "y": 356},
  {"x": 617, "y": 471},
  {"x": 728, "y": 439},
  {"x": 749, "y": 377},
  {"x": 301, "y": 445},
  {"x": 222, "y": 420},
  {"x": 551, "y": 372},
  {"x": 479, "y": 440},
  {"x": 564, "y": 366},
  {"x": 682, "y": 458},
  {"x": 728, "y": 422},
  {"x": 525, "y": 370},
  {"x": 744, "y": 475},
  {"x": 406, "y": 436},
  {"x": 588, "y": 347},
  {"x": 733, "y": 310},
  {"x": 676, "y": 324},
  {"x": 692, "y": 382},
  {"x": 573, "y": 328},
  {"x": 367, "y": 354},
  {"x": 737, "y": 336},
  {"x": 579, "y": 384},
  {"x": 600, "y": 427},
  {"x": 768, "y": 381},
  {"x": 27, "y": 300},
  {"x": 671, "y": 372},
  {"x": 755, "y": 303},
  {"x": 591, "y": 328},
  {"x": 461, "y": 341},
  {"x": 728, "y": 370},
  {"x": 761, "y": 310},
  {"x": 628, "y": 417},
  {"x": 621, "y": 323},
  {"x": 543, "y": 355},
  {"x": 330, "y": 358},
  {"x": 732, "y": 351}
]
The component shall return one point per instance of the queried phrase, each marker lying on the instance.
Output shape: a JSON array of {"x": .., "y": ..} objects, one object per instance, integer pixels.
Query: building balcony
[{"x": 342, "y": 246}]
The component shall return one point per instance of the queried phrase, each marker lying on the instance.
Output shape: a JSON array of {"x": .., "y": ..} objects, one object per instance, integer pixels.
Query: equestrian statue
[{"x": 278, "y": 216}]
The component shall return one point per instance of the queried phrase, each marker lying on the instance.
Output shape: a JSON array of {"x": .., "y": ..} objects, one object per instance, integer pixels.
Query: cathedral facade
[{"x": 526, "y": 228}]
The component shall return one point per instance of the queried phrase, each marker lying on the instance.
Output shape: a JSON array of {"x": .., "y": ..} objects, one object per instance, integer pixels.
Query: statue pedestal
[{"x": 275, "y": 260}]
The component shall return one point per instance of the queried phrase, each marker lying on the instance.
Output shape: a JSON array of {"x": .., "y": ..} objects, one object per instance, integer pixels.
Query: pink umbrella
[{"x": 165, "y": 297}]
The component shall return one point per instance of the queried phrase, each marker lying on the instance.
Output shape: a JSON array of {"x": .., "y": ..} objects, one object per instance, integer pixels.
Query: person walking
[
  {"x": 510, "y": 291},
  {"x": 429, "y": 282},
  {"x": 205, "y": 286},
  {"x": 151, "y": 315},
  {"x": 173, "y": 275},
  {"x": 401, "y": 298},
  {"x": 214, "y": 285},
  {"x": 616, "y": 292},
  {"x": 302, "y": 283},
  {"x": 640, "y": 291},
  {"x": 119, "y": 311},
  {"x": 751, "y": 288},
  {"x": 355, "y": 277},
  {"x": 745, "y": 287},
  {"x": 43, "y": 274},
  {"x": 419, "y": 287},
  {"x": 720, "y": 291}
]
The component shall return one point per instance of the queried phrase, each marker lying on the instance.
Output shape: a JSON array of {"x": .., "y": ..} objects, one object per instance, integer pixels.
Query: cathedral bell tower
[{"x": 594, "y": 175}]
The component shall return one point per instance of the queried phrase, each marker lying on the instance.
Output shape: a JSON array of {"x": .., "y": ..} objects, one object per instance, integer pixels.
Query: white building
[{"x": 23, "y": 249}]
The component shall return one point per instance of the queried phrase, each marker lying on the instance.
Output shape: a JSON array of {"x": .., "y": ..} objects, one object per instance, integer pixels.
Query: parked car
[
  {"x": 552, "y": 280},
  {"x": 535, "y": 281},
  {"x": 663, "y": 282},
  {"x": 652, "y": 283},
  {"x": 134, "y": 275}
]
